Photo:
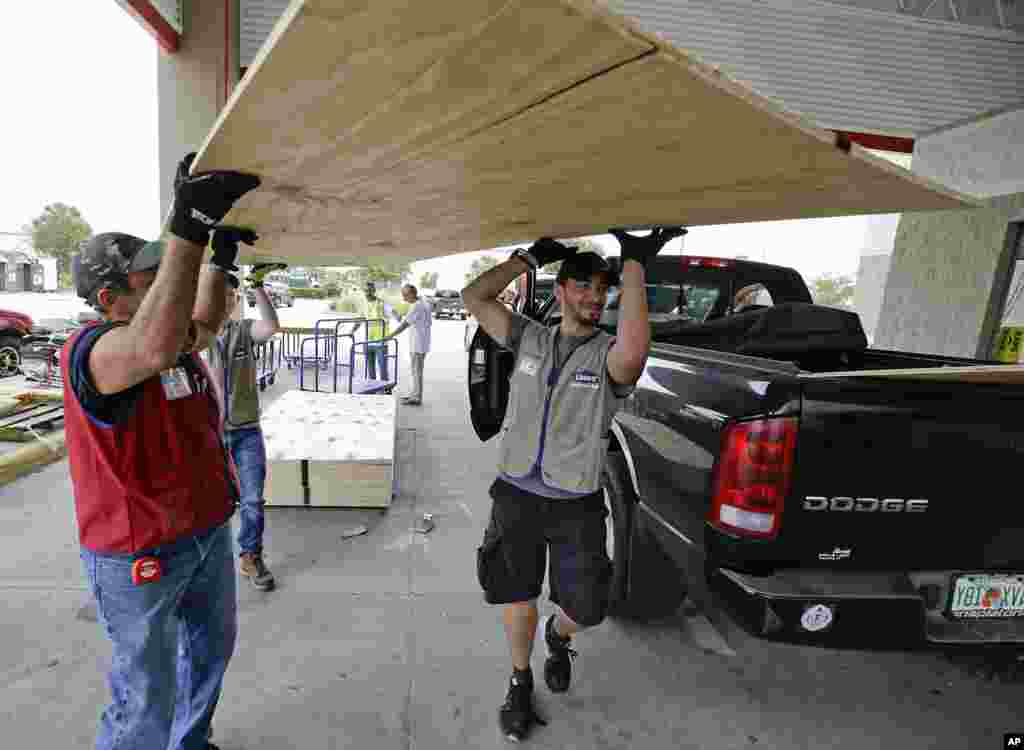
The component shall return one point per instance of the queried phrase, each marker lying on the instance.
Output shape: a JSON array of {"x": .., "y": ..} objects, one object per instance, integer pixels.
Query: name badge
[
  {"x": 176, "y": 383},
  {"x": 586, "y": 379},
  {"x": 529, "y": 365}
]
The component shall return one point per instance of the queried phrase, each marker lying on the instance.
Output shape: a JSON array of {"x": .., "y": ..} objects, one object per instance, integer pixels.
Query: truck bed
[{"x": 813, "y": 339}]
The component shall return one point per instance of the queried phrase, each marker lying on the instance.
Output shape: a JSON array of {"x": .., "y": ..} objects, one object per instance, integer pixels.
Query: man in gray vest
[
  {"x": 233, "y": 359},
  {"x": 566, "y": 386}
]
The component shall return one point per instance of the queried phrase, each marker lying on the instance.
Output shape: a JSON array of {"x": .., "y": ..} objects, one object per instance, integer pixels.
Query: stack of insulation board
[{"x": 330, "y": 449}]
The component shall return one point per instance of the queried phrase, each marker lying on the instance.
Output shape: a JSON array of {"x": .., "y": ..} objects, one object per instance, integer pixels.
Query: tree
[
  {"x": 392, "y": 271},
  {"x": 480, "y": 265},
  {"x": 833, "y": 290},
  {"x": 428, "y": 280},
  {"x": 57, "y": 232}
]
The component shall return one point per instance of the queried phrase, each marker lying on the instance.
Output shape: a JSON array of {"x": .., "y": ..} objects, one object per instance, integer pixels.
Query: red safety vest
[{"x": 160, "y": 475}]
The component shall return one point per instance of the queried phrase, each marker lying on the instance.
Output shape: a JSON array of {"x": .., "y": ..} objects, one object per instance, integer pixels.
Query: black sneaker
[
  {"x": 558, "y": 666},
  {"x": 517, "y": 715}
]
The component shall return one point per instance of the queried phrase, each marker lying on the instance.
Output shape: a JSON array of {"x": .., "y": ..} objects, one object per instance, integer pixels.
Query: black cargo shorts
[{"x": 523, "y": 528}]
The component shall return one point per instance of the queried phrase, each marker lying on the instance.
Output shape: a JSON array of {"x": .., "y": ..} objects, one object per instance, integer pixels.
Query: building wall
[
  {"x": 191, "y": 85},
  {"x": 867, "y": 295},
  {"x": 950, "y": 270},
  {"x": 875, "y": 258},
  {"x": 844, "y": 66}
]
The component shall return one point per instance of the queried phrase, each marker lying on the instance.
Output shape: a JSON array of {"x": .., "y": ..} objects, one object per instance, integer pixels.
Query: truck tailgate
[{"x": 908, "y": 476}]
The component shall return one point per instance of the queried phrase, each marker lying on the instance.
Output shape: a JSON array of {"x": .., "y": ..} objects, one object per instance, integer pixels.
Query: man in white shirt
[{"x": 419, "y": 319}]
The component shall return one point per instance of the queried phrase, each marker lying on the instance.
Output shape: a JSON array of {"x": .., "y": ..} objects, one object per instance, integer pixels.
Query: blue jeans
[
  {"x": 172, "y": 641},
  {"x": 249, "y": 453},
  {"x": 376, "y": 355}
]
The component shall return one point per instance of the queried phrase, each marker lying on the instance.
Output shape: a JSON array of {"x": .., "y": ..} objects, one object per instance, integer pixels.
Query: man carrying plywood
[
  {"x": 233, "y": 356},
  {"x": 154, "y": 490},
  {"x": 567, "y": 384}
]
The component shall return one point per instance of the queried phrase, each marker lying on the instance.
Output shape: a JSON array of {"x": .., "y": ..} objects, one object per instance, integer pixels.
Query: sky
[
  {"x": 812, "y": 246},
  {"x": 80, "y": 115},
  {"x": 80, "y": 127}
]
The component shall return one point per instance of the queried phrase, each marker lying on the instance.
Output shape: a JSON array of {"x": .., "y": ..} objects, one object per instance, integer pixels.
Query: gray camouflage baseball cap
[{"x": 109, "y": 258}]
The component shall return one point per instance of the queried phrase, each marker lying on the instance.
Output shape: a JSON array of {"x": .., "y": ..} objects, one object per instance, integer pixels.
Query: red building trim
[
  {"x": 873, "y": 141},
  {"x": 154, "y": 23},
  {"x": 227, "y": 52}
]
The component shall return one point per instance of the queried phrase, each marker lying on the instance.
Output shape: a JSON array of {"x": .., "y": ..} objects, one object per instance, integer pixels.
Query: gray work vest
[
  {"x": 578, "y": 408},
  {"x": 235, "y": 364}
]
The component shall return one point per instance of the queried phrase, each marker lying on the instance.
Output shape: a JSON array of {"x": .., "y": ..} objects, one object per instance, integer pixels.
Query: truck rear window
[{"x": 668, "y": 301}]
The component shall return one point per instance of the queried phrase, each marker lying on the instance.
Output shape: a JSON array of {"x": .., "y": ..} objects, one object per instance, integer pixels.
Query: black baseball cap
[
  {"x": 109, "y": 258},
  {"x": 583, "y": 267}
]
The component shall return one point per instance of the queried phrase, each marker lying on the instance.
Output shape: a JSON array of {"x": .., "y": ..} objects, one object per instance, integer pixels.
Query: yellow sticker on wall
[{"x": 1008, "y": 344}]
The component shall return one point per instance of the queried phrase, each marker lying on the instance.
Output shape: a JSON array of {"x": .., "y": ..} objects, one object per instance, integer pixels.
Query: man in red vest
[{"x": 154, "y": 489}]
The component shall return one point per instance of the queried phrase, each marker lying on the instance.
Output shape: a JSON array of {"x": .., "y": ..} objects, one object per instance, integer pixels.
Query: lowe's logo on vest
[{"x": 586, "y": 379}]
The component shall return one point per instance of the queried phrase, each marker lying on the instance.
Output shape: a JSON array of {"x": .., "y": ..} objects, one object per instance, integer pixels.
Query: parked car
[
  {"x": 768, "y": 465},
  {"x": 448, "y": 304},
  {"x": 14, "y": 327}
]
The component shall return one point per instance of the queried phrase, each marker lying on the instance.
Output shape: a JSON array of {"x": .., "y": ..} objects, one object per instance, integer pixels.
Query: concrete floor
[{"x": 383, "y": 640}]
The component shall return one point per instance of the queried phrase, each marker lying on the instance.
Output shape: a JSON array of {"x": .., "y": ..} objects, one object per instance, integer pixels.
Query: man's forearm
[
  {"x": 491, "y": 283},
  {"x": 634, "y": 329},
  {"x": 210, "y": 309},
  {"x": 266, "y": 307},
  {"x": 165, "y": 315}
]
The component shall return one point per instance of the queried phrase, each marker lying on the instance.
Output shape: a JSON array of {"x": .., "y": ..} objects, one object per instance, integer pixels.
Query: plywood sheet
[
  {"x": 283, "y": 485},
  {"x": 981, "y": 374},
  {"x": 403, "y": 129},
  {"x": 350, "y": 486}
]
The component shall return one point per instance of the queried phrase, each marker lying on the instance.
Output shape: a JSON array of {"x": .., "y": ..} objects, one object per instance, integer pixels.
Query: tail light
[
  {"x": 753, "y": 477},
  {"x": 700, "y": 261}
]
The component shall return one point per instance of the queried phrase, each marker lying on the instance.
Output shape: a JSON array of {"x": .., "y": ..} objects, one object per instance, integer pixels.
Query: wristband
[{"x": 526, "y": 257}]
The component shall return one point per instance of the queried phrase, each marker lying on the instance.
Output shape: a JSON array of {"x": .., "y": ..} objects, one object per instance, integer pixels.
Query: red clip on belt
[{"x": 146, "y": 570}]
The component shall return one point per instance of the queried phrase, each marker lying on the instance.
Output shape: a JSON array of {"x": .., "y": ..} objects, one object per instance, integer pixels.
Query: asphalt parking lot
[{"x": 383, "y": 640}]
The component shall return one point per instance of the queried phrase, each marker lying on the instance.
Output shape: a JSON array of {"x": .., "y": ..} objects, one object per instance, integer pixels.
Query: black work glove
[
  {"x": 642, "y": 249},
  {"x": 225, "y": 245},
  {"x": 260, "y": 271},
  {"x": 202, "y": 200},
  {"x": 546, "y": 250}
]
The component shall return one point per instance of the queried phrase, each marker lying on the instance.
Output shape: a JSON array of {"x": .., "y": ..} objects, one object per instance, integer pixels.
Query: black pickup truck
[{"x": 753, "y": 468}]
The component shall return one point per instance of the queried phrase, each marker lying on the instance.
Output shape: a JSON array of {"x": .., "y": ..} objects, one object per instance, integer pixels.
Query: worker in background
[
  {"x": 376, "y": 311},
  {"x": 153, "y": 485},
  {"x": 419, "y": 319},
  {"x": 233, "y": 358},
  {"x": 567, "y": 384}
]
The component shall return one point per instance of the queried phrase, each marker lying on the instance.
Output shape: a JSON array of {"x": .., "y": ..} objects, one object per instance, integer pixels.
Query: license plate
[{"x": 978, "y": 595}]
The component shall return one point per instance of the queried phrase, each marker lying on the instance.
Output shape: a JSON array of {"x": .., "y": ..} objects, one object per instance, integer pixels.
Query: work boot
[
  {"x": 517, "y": 715},
  {"x": 558, "y": 666},
  {"x": 252, "y": 567}
]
